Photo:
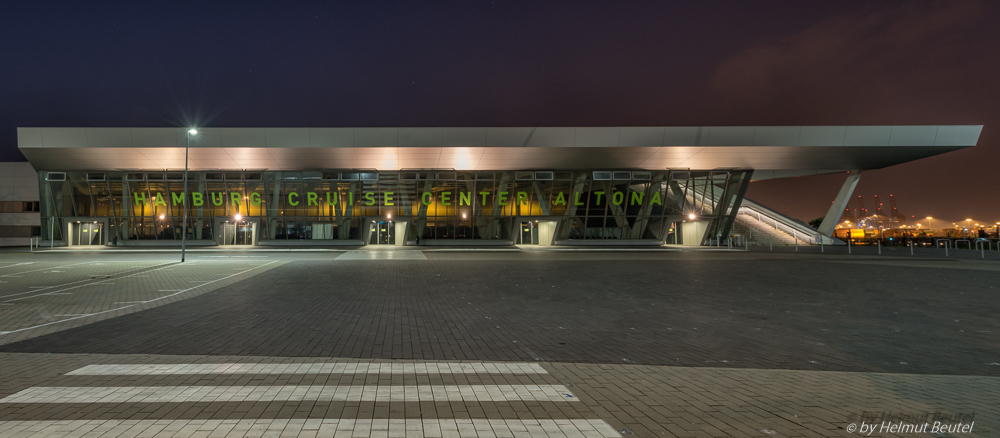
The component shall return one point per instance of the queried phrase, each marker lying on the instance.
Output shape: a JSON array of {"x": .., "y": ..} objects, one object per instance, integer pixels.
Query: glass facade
[{"x": 255, "y": 207}]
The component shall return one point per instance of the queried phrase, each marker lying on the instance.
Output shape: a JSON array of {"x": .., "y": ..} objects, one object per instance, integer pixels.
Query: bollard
[
  {"x": 880, "y": 246},
  {"x": 982, "y": 251},
  {"x": 821, "y": 249},
  {"x": 911, "y": 247},
  {"x": 770, "y": 245},
  {"x": 946, "y": 249},
  {"x": 848, "y": 243},
  {"x": 747, "y": 243}
]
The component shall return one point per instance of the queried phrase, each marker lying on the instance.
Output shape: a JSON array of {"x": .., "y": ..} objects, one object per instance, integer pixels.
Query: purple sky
[{"x": 528, "y": 64}]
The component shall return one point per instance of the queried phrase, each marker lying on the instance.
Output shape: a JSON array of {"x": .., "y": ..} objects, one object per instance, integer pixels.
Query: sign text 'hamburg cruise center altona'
[{"x": 443, "y": 186}]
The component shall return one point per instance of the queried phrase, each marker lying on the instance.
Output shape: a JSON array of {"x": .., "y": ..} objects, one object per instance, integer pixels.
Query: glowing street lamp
[
  {"x": 238, "y": 217},
  {"x": 930, "y": 222},
  {"x": 187, "y": 145},
  {"x": 691, "y": 216}
]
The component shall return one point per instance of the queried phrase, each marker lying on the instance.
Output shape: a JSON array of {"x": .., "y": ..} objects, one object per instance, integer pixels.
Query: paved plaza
[{"x": 496, "y": 342}]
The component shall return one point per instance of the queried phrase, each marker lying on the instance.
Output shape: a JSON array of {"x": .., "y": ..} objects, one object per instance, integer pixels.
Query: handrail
[
  {"x": 785, "y": 224},
  {"x": 768, "y": 229},
  {"x": 809, "y": 237}
]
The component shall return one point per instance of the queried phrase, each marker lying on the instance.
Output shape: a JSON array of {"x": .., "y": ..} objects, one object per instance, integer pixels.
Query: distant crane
[{"x": 897, "y": 218}]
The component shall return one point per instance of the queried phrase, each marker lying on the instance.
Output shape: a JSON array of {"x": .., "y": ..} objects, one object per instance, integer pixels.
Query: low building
[
  {"x": 439, "y": 186},
  {"x": 19, "y": 207}
]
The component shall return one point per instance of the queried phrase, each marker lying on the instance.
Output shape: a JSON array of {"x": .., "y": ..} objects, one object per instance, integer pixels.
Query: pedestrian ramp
[{"x": 387, "y": 399}]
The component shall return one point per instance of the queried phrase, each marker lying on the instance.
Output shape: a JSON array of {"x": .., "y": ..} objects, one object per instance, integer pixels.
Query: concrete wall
[{"x": 18, "y": 183}]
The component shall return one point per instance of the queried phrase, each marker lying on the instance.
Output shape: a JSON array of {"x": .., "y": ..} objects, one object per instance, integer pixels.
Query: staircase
[{"x": 760, "y": 225}]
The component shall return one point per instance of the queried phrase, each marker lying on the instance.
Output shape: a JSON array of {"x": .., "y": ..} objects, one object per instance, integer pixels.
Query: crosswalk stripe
[
  {"x": 390, "y": 393},
  {"x": 312, "y": 368},
  {"x": 444, "y": 428}
]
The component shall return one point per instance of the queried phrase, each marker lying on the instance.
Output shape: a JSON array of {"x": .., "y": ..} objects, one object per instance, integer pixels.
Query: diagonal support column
[{"x": 839, "y": 204}]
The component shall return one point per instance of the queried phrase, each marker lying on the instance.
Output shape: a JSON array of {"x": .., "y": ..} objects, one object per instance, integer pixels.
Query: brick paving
[
  {"x": 43, "y": 296},
  {"x": 642, "y": 400},
  {"x": 808, "y": 313},
  {"x": 647, "y": 343}
]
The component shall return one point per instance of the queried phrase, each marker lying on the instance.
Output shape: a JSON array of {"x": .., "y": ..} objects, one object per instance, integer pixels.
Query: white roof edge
[{"x": 542, "y": 137}]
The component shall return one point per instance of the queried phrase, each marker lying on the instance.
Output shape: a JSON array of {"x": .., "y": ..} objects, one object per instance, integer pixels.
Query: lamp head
[{"x": 193, "y": 131}]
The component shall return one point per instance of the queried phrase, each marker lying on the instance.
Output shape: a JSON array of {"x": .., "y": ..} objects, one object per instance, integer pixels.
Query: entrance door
[
  {"x": 529, "y": 233},
  {"x": 86, "y": 234},
  {"x": 236, "y": 233},
  {"x": 382, "y": 233}
]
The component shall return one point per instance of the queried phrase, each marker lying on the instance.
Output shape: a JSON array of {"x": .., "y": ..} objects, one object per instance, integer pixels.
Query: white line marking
[
  {"x": 89, "y": 279},
  {"x": 129, "y": 302},
  {"x": 57, "y": 267},
  {"x": 324, "y": 427},
  {"x": 313, "y": 368},
  {"x": 218, "y": 394},
  {"x": 169, "y": 290},
  {"x": 133, "y": 305},
  {"x": 16, "y": 264}
]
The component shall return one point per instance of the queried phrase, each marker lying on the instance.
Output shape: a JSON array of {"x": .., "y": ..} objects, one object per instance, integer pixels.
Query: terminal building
[{"x": 445, "y": 186}]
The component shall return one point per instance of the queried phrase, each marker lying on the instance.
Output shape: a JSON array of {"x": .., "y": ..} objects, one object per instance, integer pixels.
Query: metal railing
[{"x": 799, "y": 233}]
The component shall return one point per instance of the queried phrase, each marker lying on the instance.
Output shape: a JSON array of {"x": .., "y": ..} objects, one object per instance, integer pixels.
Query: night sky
[{"x": 573, "y": 63}]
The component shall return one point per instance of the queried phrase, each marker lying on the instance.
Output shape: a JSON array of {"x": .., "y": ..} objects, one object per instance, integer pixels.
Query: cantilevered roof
[{"x": 781, "y": 149}]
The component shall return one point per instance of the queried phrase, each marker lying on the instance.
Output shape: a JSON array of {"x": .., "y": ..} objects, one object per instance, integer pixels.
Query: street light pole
[{"x": 187, "y": 145}]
